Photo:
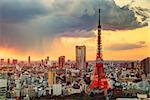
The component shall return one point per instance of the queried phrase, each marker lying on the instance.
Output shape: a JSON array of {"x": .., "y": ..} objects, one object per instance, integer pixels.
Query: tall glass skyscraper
[{"x": 81, "y": 57}]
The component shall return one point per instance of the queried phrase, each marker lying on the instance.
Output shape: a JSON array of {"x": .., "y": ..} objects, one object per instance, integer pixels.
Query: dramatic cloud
[
  {"x": 27, "y": 24},
  {"x": 142, "y": 13},
  {"x": 20, "y": 10},
  {"x": 126, "y": 46},
  {"x": 82, "y": 15}
]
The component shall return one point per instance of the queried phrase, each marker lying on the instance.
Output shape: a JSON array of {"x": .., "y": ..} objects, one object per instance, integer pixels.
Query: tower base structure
[{"x": 99, "y": 80}]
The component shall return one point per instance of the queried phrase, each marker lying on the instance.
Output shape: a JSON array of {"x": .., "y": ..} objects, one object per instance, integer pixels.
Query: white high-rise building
[{"x": 81, "y": 57}]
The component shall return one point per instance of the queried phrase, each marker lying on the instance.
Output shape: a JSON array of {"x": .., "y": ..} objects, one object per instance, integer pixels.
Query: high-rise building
[
  {"x": 81, "y": 57},
  {"x": 8, "y": 61},
  {"x": 2, "y": 61},
  {"x": 61, "y": 61},
  {"x": 15, "y": 61},
  {"x": 51, "y": 77},
  {"x": 42, "y": 62},
  {"x": 47, "y": 58},
  {"x": 29, "y": 60},
  {"x": 48, "y": 61},
  {"x": 145, "y": 64}
]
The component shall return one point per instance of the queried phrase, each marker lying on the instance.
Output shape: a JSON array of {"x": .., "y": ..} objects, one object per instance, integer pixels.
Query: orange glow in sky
[
  {"x": 48, "y": 40},
  {"x": 66, "y": 46}
]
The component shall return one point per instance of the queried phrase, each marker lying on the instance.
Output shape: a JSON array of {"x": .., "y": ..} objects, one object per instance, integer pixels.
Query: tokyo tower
[{"x": 99, "y": 79}]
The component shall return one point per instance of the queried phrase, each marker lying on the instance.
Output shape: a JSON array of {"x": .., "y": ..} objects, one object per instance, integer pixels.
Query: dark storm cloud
[
  {"x": 25, "y": 24},
  {"x": 15, "y": 32},
  {"x": 20, "y": 10},
  {"x": 83, "y": 15},
  {"x": 126, "y": 46}
]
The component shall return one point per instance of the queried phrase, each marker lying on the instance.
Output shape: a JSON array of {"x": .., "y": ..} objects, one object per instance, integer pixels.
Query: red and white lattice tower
[{"x": 99, "y": 79}]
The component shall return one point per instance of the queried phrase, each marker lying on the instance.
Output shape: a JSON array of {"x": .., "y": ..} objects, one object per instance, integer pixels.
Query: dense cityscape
[
  {"x": 79, "y": 79},
  {"x": 40, "y": 79}
]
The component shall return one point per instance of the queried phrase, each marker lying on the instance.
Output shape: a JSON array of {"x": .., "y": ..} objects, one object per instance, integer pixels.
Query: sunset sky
[{"x": 41, "y": 28}]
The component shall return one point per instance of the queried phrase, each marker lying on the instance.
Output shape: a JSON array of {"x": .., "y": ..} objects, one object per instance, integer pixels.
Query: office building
[
  {"x": 47, "y": 60},
  {"x": 29, "y": 60},
  {"x": 15, "y": 61},
  {"x": 81, "y": 57},
  {"x": 51, "y": 77},
  {"x": 61, "y": 61},
  {"x": 2, "y": 61},
  {"x": 8, "y": 61},
  {"x": 145, "y": 64}
]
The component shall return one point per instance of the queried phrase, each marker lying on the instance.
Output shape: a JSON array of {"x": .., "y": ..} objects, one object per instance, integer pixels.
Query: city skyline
[{"x": 46, "y": 30}]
